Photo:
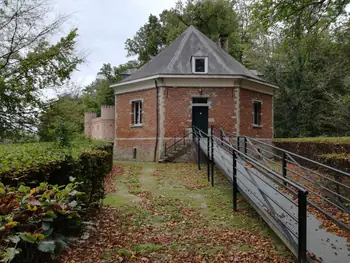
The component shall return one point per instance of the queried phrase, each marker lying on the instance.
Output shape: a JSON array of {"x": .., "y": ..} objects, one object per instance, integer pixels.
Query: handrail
[
  {"x": 302, "y": 157},
  {"x": 323, "y": 198},
  {"x": 258, "y": 164},
  {"x": 214, "y": 142},
  {"x": 176, "y": 142}
]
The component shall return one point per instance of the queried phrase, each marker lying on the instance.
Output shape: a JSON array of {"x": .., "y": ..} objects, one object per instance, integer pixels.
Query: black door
[{"x": 200, "y": 118}]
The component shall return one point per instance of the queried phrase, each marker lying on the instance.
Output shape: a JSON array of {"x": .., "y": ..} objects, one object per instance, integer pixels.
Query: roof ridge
[
  {"x": 139, "y": 69},
  {"x": 174, "y": 59},
  {"x": 182, "y": 44},
  {"x": 200, "y": 35}
]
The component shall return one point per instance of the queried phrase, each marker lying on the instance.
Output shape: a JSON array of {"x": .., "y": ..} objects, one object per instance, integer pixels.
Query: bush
[
  {"x": 35, "y": 223},
  {"x": 36, "y": 215},
  {"x": 30, "y": 164}
]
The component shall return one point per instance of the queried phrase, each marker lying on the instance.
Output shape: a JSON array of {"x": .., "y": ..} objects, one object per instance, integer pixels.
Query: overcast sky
[{"x": 103, "y": 27}]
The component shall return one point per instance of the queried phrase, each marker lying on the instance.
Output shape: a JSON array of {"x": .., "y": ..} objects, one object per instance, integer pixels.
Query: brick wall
[
  {"x": 178, "y": 108},
  {"x": 176, "y": 116},
  {"x": 123, "y": 150},
  {"x": 124, "y": 127},
  {"x": 246, "y": 114},
  {"x": 128, "y": 137}
]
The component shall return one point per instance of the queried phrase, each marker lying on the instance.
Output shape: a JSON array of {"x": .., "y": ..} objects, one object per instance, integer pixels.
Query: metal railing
[
  {"x": 223, "y": 150},
  {"x": 174, "y": 142},
  {"x": 328, "y": 187}
]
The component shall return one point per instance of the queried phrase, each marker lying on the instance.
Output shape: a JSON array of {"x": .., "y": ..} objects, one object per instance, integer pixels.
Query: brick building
[
  {"x": 101, "y": 128},
  {"x": 194, "y": 81}
]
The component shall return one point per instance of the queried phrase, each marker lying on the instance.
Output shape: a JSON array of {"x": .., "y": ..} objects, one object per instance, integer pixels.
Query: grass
[
  {"x": 176, "y": 216},
  {"x": 337, "y": 140},
  {"x": 336, "y": 156}
]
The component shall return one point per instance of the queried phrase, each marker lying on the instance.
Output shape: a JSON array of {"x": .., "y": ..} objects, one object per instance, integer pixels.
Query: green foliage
[
  {"x": 62, "y": 135},
  {"x": 307, "y": 56},
  {"x": 270, "y": 12},
  {"x": 30, "y": 164},
  {"x": 63, "y": 117},
  {"x": 99, "y": 93},
  {"x": 150, "y": 39},
  {"x": 343, "y": 156},
  {"x": 30, "y": 63},
  {"x": 213, "y": 18},
  {"x": 36, "y": 222}
]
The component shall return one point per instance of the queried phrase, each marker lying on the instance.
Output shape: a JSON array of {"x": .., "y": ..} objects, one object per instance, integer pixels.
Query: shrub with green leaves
[
  {"x": 37, "y": 215},
  {"x": 29, "y": 164},
  {"x": 36, "y": 222}
]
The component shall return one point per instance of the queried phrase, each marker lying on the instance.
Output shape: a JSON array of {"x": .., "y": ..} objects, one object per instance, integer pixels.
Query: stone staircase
[{"x": 177, "y": 152}]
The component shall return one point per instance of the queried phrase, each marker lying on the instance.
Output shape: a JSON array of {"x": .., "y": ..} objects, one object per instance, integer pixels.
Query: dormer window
[{"x": 200, "y": 65}]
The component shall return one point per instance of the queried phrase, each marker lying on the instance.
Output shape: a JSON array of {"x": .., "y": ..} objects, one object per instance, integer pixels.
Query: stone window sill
[
  {"x": 136, "y": 126},
  {"x": 257, "y": 126}
]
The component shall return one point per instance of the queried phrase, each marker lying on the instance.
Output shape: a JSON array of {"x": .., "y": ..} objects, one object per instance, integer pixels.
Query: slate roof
[
  {"x": 176, "y": 58},
  {"x": 130, "y": 71}
]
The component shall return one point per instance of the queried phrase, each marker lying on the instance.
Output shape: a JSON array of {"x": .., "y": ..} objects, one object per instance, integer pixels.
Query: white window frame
[
  {"x": 205, "y": 65},
  {"x": 137, "y": 118},
  {"x": 258, "y": 125}
]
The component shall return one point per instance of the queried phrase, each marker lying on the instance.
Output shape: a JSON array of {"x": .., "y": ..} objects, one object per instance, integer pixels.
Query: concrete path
[{"x": 265, "y": 195}]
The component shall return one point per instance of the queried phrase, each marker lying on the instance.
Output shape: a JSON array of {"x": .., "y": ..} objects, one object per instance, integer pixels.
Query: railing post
[
  {"x": 284, "y": 167},
  {"x": 302, "y": 226},
  {"x": 221, "y": 137},
  {"x": 208, "y": 163},
  {"x": 245, "y": 145},
  {"x": 238, "y": 139},
  {"x": 234, "y": 180},
  {"x": 212, "y": 155},
  {"x": 199, "y": 153}
]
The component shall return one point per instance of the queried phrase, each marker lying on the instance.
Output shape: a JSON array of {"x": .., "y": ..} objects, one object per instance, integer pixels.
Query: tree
[
  {"x": 62, "y": 118},
  {"x": 148, "y": 41},
  {"x": 213, "y": 18},
  {"x": 28, "y": 62},
  {"x": 99, "y": 92},
  {"x": 300, "y": 13},
  {"x": 304, "y": 62}
]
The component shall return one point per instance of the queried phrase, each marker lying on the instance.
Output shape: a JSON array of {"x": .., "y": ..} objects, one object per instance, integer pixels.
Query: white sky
[{"x": 103, "y": 27}]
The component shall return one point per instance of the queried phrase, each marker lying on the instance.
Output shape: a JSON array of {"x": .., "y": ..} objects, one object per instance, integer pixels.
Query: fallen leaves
[
  {"x": 109, "y": 183},
  {"x": 318, "y": 197},
  {"x": 165, "y": 229}
]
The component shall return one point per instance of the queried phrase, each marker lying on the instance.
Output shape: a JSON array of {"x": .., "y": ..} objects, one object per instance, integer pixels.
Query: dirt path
[{"x": 169, "y": 213}]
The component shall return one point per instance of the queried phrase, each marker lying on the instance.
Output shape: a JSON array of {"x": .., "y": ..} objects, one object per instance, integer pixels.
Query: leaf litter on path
[{"x": 163, "y": 227}]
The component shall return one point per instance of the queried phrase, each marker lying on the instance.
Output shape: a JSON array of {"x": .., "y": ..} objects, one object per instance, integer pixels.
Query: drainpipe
[{"x": 157, "y": 120}]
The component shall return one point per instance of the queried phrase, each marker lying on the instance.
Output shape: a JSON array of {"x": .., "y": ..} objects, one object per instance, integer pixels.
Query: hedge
[
  {"x": 312, "y": 149},
  {"x": 29, "y": 164},
  {"x": 333, "y": 152},
  {"x": 37, "y": 216}
]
